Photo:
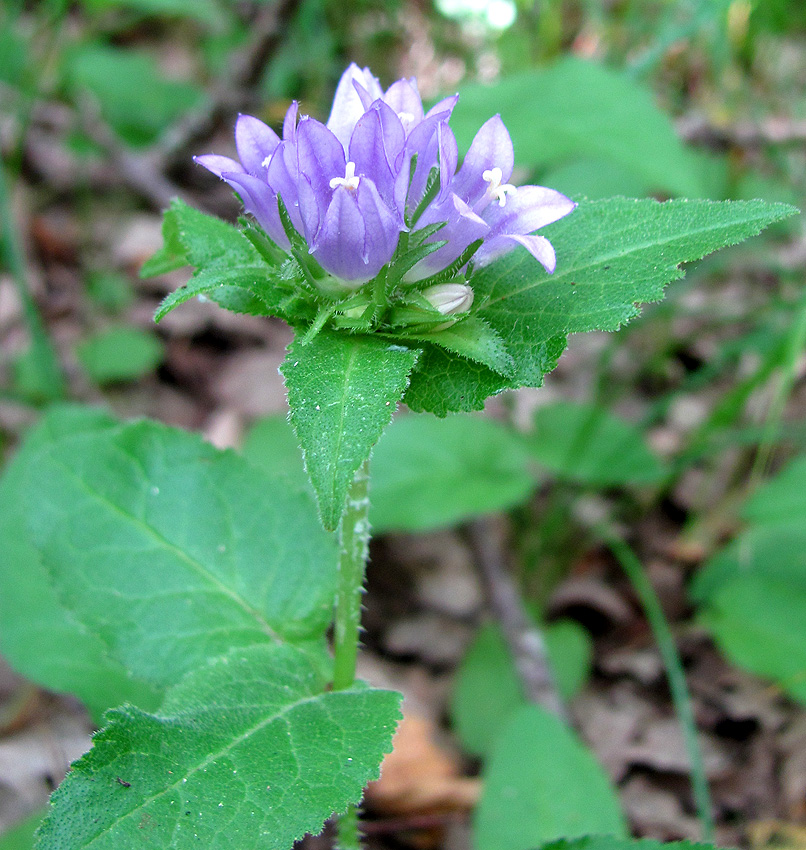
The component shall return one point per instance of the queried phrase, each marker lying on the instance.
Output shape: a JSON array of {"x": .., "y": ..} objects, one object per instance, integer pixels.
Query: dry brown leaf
[{"x": 419, "y": 776}]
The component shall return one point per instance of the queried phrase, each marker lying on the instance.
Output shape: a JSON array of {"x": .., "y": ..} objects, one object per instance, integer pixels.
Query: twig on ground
[{"x": 528, "y": 647}]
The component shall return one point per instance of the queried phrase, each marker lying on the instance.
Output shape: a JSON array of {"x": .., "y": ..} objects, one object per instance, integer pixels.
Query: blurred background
[{"x": 685, "y": 432}]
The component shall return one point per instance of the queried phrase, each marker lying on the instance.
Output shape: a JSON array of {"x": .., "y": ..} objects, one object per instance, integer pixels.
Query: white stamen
[
  {"x": 498, "y": 190},
  {"x": 406, "y": 119},
  {"x": 349, "y": 181},
  {"x": 266, "y": 161}
]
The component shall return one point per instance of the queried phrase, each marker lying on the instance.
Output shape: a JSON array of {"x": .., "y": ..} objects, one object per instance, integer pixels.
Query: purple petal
[
  {"x": 282, "y": 177},
  {"x": 218, "y": 164},
  {"x": 312, "y": 208},
  {"x": 528, "y": 209},
  {"x": 290, "y": 123},
  {"x": 463, "y": 227},
  {"x": 255, "y": 142},
  {"x": 491, "y": 148},
  {"x": 261, "y": 202},
  {"x": 448, "y": 157},
  {"x": 538, "y": 246},
  {"x": 445, "y": 105},
  {"x": 320, "y": 155},
  {"x": 405, "y": 100},
  {"x": 382, "y": 227},
  {"x": 424, "y": 141},
  {"x": 340, "y": 246},
  {"x": 347, "y": 106},
  {"x": 376, "y": 148}
]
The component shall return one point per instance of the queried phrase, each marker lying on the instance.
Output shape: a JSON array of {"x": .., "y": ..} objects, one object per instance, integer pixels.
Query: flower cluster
[{"x": 382, "y": 166}]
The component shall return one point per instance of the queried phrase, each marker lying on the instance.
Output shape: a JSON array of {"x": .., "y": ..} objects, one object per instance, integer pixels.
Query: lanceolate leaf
[
  {"x": 612, "y": 255},
  {"x": 246, "y": 753},
  {"x": 227, "y": 264},
  {"x": 342, "y": 390},
  {"x": 171, "y": 551}
]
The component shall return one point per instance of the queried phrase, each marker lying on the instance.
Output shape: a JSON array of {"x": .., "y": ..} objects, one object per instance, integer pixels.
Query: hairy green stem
[
  {"x": 674, "y": 671},
  {"x": 353, "y": 552}
]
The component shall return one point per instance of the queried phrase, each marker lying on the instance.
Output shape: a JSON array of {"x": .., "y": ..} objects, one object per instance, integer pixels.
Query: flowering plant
[{"x": 198, "y": 590}]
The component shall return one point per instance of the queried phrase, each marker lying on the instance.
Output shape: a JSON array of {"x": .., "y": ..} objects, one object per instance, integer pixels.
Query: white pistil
[
  {"x": 498, "y": 190},
  {"x": 267, "y": 161},
  {"x": 406, "y": 119},
  {"x": 349, "y": 181}
]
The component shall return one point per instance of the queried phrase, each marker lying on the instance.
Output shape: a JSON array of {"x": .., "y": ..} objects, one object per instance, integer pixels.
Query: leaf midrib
[{"x": 635, "y": 249}]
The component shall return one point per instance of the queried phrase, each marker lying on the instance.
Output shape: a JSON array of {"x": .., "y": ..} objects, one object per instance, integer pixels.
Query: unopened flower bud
[{"x": 449, "y": 298}]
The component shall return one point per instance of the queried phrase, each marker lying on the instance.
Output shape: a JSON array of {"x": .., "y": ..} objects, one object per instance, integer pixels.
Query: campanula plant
[{"x": 198, "y": 591}]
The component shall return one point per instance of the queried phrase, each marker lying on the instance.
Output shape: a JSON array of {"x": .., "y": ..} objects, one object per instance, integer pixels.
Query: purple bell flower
[{"x": 350, "y": 192}]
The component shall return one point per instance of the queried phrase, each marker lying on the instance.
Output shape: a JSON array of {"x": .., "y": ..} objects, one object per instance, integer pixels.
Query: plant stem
[
  {"x": 674, "y": 671},
  {"x": 353, "y": 552}
]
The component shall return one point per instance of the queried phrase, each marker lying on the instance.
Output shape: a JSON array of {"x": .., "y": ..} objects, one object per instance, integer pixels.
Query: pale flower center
[
  {"x": 406, "y": 119},
  {"x": 349, "y": 181},
  {"x": 498, "y": 190}
]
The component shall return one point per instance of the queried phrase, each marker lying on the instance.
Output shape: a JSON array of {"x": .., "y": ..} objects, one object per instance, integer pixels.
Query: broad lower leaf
[
  {"x": 760, "y": 624},
  {"x": 540, "y": 784},
  {"x": 171, "y": 551},
  {"x": 587, "y": 112},
  {"x": 752, "y": 593},
  {"x": 247, "y": 752},
  {"x": 612, "y": 255},
  {"x": 781, "y": 500},
  {"x": 342, "y": 391},
  {"x": 134, "y": 96},
  {"x": 488, "y": 689},
  {"x": 588, "y": 444},
  {"x": 119, "y": 354},
  {"x": 272, "y": 445},
  {"x": 38, "y": 636},
  {"x": 430, "y": 473}
]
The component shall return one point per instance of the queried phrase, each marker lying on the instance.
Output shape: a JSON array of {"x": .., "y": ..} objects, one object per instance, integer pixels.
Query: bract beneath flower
[{"x": 382, "y": 166}]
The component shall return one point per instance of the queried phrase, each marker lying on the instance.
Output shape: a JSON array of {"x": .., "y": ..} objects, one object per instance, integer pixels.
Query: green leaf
[
  {"x": 272, "y": 445},
  {"x": 21, "y": 836},
  {"x": 246, "y": 752},
  {"x": 171, "y": 551},
  {"x": 752, "y": 594},
  {"x": 782, "y": 500},
  {"x": 488, "y": 689},
  {"x": 38, "y": 636},
  {"x": 430, "y": 473},
  {"x": 759, "y": 622},
  {"x": 586, "y": 443},
  {"x": 120, "y": 354},
  {"x": 475, "y": 340},
  {"x": 342, "y": 391},
  {"x": 134, "y": 96},
  {"x": 587, "y": 112},
  {"x": 612, "y": 255},
  {"x": 541, "y": 783},
  {"x": 228, "y": 264},
  {"x": 443, "y": 383},
  {"x": 611, "y": 842},
  {"x": 207, "y": 12}
]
